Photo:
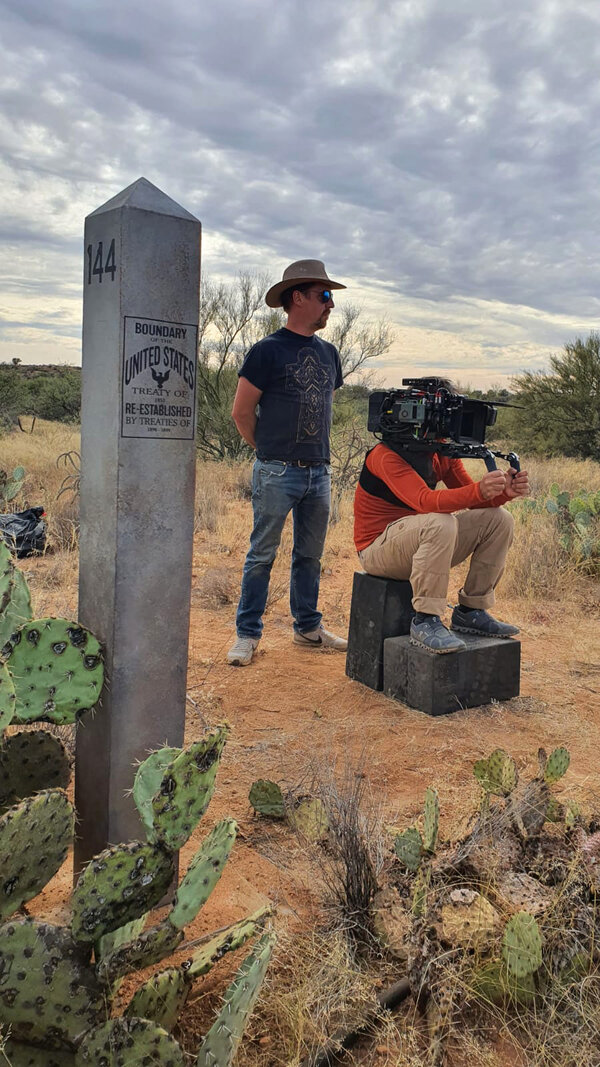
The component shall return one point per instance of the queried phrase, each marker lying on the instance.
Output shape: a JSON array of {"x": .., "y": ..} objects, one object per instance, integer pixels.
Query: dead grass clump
[
  {"x": 210, "y": 504},
  {"x": 218, "y": 587},
  {"x": 536, "y": 564},
  {"x": 314, "y": 988}
]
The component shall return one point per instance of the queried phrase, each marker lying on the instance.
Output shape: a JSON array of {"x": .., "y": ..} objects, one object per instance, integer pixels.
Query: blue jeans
[{"x": 277, "y": 489}]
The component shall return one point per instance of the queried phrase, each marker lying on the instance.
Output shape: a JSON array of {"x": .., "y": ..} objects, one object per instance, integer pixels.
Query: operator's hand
[
  {"x": 517, "y": 483},
  {"x": 492, "y": 484}
]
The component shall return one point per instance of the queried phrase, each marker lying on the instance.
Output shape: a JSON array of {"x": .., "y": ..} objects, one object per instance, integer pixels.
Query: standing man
[{"x": 282, "y": 408}]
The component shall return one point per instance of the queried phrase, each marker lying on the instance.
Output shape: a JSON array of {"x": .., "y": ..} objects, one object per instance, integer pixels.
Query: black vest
[{"x": 421, "y": 462}]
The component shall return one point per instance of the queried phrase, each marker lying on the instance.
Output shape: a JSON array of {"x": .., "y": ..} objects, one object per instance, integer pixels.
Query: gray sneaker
[
  {"x": 321, "y": 638},
  {"x": 240, "y": 654},
  {"x": 434, "y": 636},
  {"x": 479, "y": 622}
]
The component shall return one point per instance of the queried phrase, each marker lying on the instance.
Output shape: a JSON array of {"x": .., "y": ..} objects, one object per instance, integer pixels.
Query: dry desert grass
[{"x": 282, "y": 711}]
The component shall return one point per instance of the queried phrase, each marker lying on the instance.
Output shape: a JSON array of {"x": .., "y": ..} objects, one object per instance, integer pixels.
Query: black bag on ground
[{"x": 24, "y": 531}]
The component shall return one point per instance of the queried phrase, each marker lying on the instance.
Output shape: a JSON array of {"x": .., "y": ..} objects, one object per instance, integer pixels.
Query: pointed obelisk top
[{"x": 145, "y": 196}]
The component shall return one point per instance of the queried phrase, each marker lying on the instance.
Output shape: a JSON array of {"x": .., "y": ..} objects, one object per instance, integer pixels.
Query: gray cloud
[{"x": 437, "y": 159}]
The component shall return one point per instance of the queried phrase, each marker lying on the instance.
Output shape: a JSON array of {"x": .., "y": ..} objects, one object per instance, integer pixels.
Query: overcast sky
[{"x": 442, "y": 159}]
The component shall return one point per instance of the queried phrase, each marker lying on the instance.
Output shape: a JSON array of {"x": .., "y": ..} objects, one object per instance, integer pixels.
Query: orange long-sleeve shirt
[{"x": 372, "y": 515}]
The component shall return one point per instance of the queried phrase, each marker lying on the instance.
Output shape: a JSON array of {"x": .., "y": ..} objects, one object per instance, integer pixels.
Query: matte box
[
  {"x": 381, "y": 608},
  {"x": 488, "y": 669}
]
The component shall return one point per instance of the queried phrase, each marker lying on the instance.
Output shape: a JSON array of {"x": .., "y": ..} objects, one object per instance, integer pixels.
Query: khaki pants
[{"x": 423, "y": 548}]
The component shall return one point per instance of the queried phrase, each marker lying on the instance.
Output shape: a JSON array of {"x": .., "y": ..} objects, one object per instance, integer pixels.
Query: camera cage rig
[{"x": 441, "y": 421}]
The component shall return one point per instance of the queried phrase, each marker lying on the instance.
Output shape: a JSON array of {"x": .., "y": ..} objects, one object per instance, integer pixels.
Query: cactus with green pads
[
  {"x": 130, "y": 1043},
  {"x": 556, "y": 765},
  {"x": 49, "y": 992},
  {"x": 146, "y": 949},
  {"x": 147, "y": 782},
  {"x": 267, "y": 799},
  {"x": 227, "y": 941},
  {"x": 8, "y": 701},
  {"x": 31, "y": 761},
  {"x": 221, "y": 1043},
  {"x": 522, "y": 945},
  {"x": 497, "y": 774},
  {"x": 52, "y": 992},
  {"x": 57, "y": 670},
  {"x": 15, "y": 602},
  {"x": 35, "y": 837},
  {"x": 18, "y": 1054},
  {"x": 431, "y": 820},
  {"x": 117, "y": 886},
  {"x": 203, "y": 873},
  {"x": 11, "y": 485},
  {"x": 408, "y": 847},
  {"x": 186, "y": 789},
  {"x": 161, "y": 999}
]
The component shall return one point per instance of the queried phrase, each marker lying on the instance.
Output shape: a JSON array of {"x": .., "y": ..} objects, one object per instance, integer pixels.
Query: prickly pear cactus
[
  {"x": 33, "y": 760},
  {"x": 267, "y": 799},
  {"x": 19, "y": 1054},
  {"x": 203, "y": 873},
  {"x": 556, "y": 765},
  {"x": 309, "y": 818},
  {"x": 35, "y": 837},
  {"x": 161, "y": 998},
  {"x": 227, "y": 941},
  {"x": 56, "y": 668},
  {"x": 498, "y": 774},
  {"x": 117, "y": 886},
  {"x": 220, "y": 1045},
  {"x": 15, "y": 599},
  {"x": 431, "y": 820},
  {"x": 130, "y": 1043},
  {"x": 522, "y": 945},
  {"x": 408, "y": 847},
  {"x": 8, "y": 701},
  {"x": 143, "y": 950},
  {"x": 186, "y": 789},
  {"x": 146, "y": 784},
  {"x": 11, "y": 484},
  {"x": 49, "y": 993}
]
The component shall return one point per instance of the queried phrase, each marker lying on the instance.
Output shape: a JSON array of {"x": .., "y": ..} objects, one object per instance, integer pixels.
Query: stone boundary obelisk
[{"x": 140, "y": 327}]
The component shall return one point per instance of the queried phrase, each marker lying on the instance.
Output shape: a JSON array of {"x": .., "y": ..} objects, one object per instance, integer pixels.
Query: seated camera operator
[{"x": 406, "y": 528}]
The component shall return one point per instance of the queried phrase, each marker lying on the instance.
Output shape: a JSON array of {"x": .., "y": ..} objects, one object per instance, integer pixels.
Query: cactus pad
[
  {"x": 222, "y": 1040},
  {"x": 309, "y": 818},
  {"x": 20, "y": 1055},
  {"x": 498, "y": 774},
  {"x": 203, "y": 873},
  {"x": 408, "y": 847},
  {"x": 148, "y": 778},
  {"x": 130, "y": 1043},
  {"x": 556, "y": 765},
  {"x": 8, "y": 700},
  {"x": 522, "y": 945},
  {"x": 186, "y": 789},
  {"x": 431, "y": 820},
  {"x": 227, "y": 941},
  {"x": 117, "y": 886},
  {"x": 17, "y": 610},
  {"x": 267, "y": 799},
  {"x": 35, "y": 837},
  {"x": 161, "y": 999},
  {"x": 493, "y": 984},
  {"x": 57, "y": 671},
  {"x": 32, "y": 760},
  {"x": 152, "y": 946},
  {"x": 48, "y": 991}
]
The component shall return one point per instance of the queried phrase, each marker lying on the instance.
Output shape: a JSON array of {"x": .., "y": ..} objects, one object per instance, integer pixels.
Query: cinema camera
[{"x": 428, "y": 417}]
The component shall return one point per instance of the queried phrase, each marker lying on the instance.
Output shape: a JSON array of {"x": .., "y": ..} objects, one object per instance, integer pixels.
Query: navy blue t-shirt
[{"x": 297, "y": 376}]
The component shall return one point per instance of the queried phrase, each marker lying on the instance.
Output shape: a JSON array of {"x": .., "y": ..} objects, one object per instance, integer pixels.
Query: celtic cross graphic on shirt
[{"x": 308, "y": 377}]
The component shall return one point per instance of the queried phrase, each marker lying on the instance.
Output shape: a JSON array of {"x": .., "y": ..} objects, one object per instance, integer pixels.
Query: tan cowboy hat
[{"x": 303, "y": 270}]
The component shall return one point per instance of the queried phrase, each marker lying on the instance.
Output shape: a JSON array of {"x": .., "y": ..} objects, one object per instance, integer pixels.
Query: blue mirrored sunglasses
[{"x": 324, "y": 295}]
